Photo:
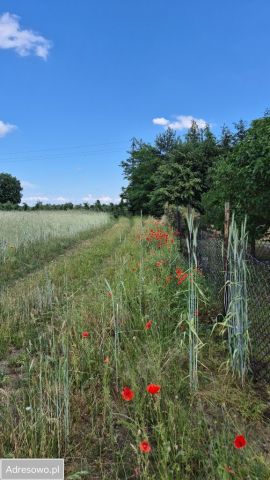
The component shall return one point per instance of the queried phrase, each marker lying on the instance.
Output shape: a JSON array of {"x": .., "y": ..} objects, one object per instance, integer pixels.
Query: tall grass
[
  {"x": 75, "y": 409},
  {"x": 237, "y": 313},
  {"x": 193, "y": 303}
]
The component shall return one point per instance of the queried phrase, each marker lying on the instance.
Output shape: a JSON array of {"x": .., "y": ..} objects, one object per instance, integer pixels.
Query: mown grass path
[{"x": 61, "y": 396}]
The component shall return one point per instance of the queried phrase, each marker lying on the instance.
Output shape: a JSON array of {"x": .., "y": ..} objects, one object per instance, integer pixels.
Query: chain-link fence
[
  {"x": 259, "y": 316},
  {"x": 210, "y": 259}
]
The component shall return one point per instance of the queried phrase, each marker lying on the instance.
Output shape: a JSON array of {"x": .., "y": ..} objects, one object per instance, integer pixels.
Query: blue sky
[{"x": 80, "y": 78}]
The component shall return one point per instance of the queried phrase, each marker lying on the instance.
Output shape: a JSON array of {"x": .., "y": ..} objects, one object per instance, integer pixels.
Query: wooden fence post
[
  {"x": 226, "y": 238},
  {"x": 178, "y": 220}
]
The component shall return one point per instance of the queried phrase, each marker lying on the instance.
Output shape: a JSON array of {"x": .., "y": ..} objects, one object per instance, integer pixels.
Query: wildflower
[
  {"x": 109, "y": 294},
  {"x": 160, "y": 263},
  {"x": 182, "y": 278},
  {"x": 148, "y": 325},
  {"x": 127, "y": 394},
  {"x": 229, "y": 469},
  {"x": 145, "y": 446},
  {"x": 28, "y": 409},
  {"x": 181, "y": 275},
  {"x": 85, "y": 334},
  {"x": 153, "y": 389},
  {"x": 179, "y": 271},
  {"x": 106, "y": 360},
  {"x": 239, "y": 441}
]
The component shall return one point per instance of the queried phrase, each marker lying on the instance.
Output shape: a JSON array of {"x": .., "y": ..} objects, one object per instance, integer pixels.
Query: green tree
[
  {"x": 10, "y": 189},
  {"x": 226, "y": 140},
  {"x": 241, "y": 131},
  {"x": 242, "y": 177},
  {"x": 171, "y": 170},
  {"x": 139, "y": 170},
  {"x": 194, "y": 134},
  {"x": 177, "y": 184}
]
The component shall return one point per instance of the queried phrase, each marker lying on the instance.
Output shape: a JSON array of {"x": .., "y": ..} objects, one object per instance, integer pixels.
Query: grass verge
[{"x": 61, "y": 393}]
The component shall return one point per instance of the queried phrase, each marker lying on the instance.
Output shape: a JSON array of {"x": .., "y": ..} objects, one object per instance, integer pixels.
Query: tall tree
[
  {"x": 243, "y": 178},
  {"x": 241, "y": 131},
  {"x": 10, "y": 189},
  {"x": 193, "y": 135},
  {"x": 226, "y": 139},
  {"x": 139, "y": 168}
]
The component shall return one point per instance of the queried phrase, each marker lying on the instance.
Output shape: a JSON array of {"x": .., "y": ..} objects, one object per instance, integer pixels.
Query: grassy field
[
  {"x": 30, "y": 239},
  {"x": 110, "y": 314}
]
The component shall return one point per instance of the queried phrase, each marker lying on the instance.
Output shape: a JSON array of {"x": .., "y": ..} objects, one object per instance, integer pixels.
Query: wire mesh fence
[{"x": 211, "y": 261}]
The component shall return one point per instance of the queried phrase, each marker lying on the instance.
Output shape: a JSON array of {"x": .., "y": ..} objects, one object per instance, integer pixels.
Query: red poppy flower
[
  {"x": 109, "y": 294},
  {"x": 148, "y": 325},
  {"x": 239, "y": 441},
  {"x": 153, "y": 389},
  {"x": 106, "y": 360},
  {"x": 145, "y": 446},
  {"x": 182, "y": 279},
  {"x": 85, "y": 334},
  {"x": 127, "y": 394},
  {"x": 179, "y": 271}
]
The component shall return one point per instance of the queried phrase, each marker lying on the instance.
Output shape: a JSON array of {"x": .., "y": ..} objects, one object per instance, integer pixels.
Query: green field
[{"x": 61, "y": 392}]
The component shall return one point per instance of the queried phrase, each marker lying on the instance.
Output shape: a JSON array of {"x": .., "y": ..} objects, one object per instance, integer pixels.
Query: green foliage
[
  {"x": 10, "y": 189},
  {"x": 171, "y": 170},
  {"x": 242, "y": 177}
]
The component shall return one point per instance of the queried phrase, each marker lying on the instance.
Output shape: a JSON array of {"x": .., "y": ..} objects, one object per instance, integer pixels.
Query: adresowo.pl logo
[{"x": 32, "y": 469}]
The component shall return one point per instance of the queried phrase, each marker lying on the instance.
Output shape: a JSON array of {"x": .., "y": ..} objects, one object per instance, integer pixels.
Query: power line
[
  {"x": 59, "y": 156},
  {"x": 63, "y": 148}
]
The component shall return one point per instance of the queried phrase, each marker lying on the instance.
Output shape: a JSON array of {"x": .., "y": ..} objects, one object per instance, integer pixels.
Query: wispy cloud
[
  {"x": 40, "y": 197},
  {"x": 6, "y": 128},
  {"x": 26, "y": 184},
  {"x": 24, "y": 42},
  {"x": 61, "y": 200},
  {"x": 35, "y": 198},
  {"x": 105, "y": 199},
  {"x": 181, "y": 122}
]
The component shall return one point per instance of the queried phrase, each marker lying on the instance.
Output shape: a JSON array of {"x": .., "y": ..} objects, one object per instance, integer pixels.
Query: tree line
[
  {"x": 11, "y": 196},
  {"x": 203, "y": 171}
]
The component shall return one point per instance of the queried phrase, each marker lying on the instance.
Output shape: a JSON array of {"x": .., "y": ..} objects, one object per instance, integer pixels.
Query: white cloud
[
  {"x": 61, "y": 200},
  {"x": 160, "y": 121},
  {"x": 26, "y": 184},
  {"x": 105, "y": 199},
  {"x": 6, "y": 128},
  {"x": 24, "y": 42},
  {"x": 181, "y": 122},
  {"x": 35, "y": 198}
]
